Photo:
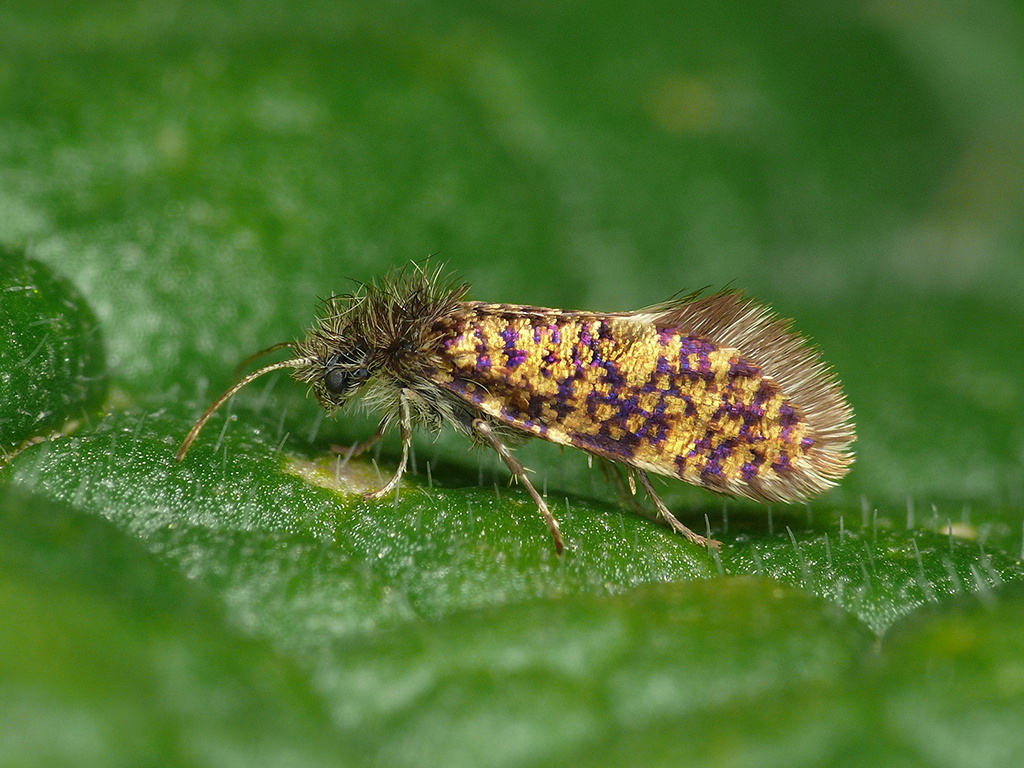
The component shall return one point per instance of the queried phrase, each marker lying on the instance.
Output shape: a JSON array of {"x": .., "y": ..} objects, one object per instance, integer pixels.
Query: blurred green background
[{"x": 181, "y": 182}]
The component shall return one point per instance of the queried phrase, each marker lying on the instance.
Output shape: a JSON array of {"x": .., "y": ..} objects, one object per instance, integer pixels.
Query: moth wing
[{"x": 714, "y": 390}]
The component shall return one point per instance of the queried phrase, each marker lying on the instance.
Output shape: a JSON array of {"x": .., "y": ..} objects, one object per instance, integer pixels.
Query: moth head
[
  {"x": 378, "y": 326},
  {"x": 337, "y": 376}
]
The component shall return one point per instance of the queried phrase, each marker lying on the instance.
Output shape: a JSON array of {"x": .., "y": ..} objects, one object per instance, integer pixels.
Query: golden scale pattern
[{"x": 624, "y": 389}]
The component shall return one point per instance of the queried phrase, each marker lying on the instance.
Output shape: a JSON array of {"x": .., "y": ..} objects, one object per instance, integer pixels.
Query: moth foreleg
[
  {"x": 405, "y": 424},
  {"x": 357, "y": 448},
  {"x": 669, "y": 518},
  {"x": 364, "y": 446},
  {"x": 484, "y": 431}
]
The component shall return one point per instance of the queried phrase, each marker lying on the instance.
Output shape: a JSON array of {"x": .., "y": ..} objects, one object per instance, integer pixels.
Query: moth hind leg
[
  {"x": 625, "y": 488},
  {"x": 485, "y": 432},
  {"x": 669, "y": 518}
]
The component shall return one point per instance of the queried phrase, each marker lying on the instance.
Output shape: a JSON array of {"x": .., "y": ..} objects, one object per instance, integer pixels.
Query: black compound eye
[
  {"x": 337, "y": 381},
  {"x": 346, "y": 371}
]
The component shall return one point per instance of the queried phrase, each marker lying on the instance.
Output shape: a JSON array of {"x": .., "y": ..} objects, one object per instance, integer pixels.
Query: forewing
[{"x": 652, "y": 389}]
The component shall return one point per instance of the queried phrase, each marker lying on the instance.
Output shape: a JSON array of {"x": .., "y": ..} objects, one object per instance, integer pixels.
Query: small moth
[{"x": 714, "y": 390}]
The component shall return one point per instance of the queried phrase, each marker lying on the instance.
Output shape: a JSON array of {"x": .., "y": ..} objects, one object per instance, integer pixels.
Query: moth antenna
[
  {"x": 257, "y": 355},
  {"x": 197, "y": 427}
]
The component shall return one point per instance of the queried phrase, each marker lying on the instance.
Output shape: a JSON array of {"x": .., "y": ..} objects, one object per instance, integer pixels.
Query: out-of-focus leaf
[
  {"x": 52, "y": 366},
  {"x": 109, "y": 657}
]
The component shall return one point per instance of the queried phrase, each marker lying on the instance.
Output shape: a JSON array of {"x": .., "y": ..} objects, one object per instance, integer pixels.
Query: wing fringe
[{"x": 729, "y": 319}]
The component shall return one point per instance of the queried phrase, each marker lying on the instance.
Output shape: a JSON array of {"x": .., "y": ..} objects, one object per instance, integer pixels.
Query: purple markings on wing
[
  {"x": 782, "y": 464},
  {"x": 514, "y": 356},
  {"x": 751, "y": 469},
  {"x": 743, "y": 368}
]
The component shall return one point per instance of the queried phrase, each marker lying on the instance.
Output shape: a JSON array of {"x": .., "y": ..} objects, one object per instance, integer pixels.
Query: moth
[{"x": 714, "y": 390}]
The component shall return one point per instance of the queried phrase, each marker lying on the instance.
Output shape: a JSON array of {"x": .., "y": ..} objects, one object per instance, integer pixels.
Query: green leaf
[
  {"x": 111, "y": 658},
  {"x": 600, "y": 680},
  {"x": 970, "y": 646},
  {"x": 248, "y": 504},
  {"x": 51, "y": 351}
]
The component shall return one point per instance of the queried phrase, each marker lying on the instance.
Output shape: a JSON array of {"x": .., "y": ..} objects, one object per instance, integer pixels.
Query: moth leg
[
  {"x": 678, "y": 527},
  {"x": 405, "y": 424},
  {"x": 362, "y": 447},
  {"x": 483, "y": 430},
  {"x": 626, "y": 492}
]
